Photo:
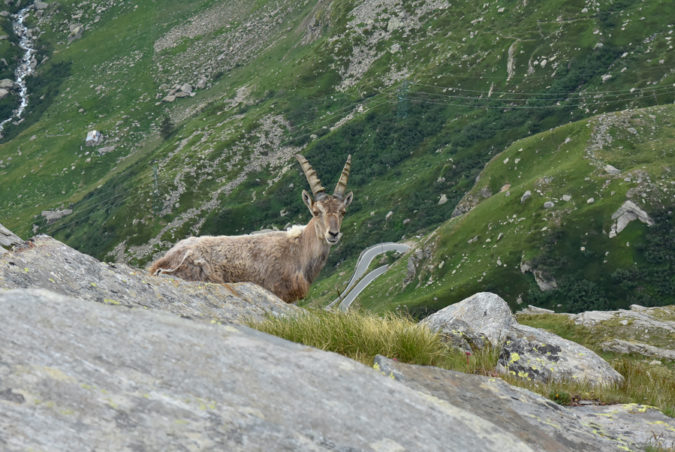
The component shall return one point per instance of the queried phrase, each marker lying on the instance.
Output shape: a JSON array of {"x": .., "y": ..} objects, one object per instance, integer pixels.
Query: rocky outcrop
[
  {"x": 49, "y": 264},
  {"x": 538, "y": 355},
  {"x": 53, "y": 215},
  {"x": 481, "y": 314},
  {"x": 535, "y": 420},
  {"x": 627, "y": 213},
  {"x": 654, "y": 326},
  {"x": 621, "y": 346},
  {"x": 7, "y": 239}
]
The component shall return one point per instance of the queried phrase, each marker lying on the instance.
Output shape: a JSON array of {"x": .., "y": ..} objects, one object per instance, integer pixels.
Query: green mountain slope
[
  {"x": 422, "y": 93},
  {"x": 555, "y": 247}
]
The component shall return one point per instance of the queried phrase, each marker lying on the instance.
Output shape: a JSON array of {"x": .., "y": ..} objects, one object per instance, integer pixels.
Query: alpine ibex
[{"x": 285, "y": 262}]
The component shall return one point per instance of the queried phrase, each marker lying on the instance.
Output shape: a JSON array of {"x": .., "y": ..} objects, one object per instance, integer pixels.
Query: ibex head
[{"x": 328, "y": 210}]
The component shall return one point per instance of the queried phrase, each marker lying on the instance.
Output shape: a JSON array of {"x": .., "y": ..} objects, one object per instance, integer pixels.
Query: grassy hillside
[
  {"x": 561, "y": 232},
  {"x": 422, "y": 93}
]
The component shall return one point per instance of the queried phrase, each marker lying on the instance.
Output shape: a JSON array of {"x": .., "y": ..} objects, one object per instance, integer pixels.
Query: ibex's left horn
[
  {"x": 312, "y": 178},
  {"x": 342, "y": 183}
]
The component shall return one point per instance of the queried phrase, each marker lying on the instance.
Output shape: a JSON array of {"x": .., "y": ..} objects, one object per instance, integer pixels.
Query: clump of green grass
[{"x": 362, "y": 335}]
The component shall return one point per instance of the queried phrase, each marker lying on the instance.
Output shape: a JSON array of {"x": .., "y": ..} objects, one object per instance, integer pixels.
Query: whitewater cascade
[{"x": 26, "y": 67}]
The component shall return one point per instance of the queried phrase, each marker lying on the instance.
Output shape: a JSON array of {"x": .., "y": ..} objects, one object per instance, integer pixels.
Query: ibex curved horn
[
  {"x": 342, "y": 183},
  {"x": 312, "y": 178}
]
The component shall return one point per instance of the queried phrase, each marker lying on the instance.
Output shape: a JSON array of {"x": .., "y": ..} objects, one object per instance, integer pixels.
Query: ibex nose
[{"x": 333, "y": 237}]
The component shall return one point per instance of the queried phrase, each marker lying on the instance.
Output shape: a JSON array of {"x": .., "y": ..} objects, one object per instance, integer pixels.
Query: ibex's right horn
[
  {"x": 342, "y": 183},
  {"x": 312, "y": 178}
]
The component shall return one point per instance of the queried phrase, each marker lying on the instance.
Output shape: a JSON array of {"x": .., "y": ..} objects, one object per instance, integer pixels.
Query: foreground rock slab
[
  {"x": 541, "y": 423},
  {"x": 538, "y": 355},
  {"x": 49, "y": 264},
  {"x": 79, "y": 375}
]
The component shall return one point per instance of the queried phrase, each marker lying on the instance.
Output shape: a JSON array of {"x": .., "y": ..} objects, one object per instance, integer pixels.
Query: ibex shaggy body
[{"x": 285, "y": 263}]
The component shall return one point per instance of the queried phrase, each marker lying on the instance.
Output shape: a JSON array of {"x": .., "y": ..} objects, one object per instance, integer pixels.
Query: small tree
[{"x": 166, "y": 128}]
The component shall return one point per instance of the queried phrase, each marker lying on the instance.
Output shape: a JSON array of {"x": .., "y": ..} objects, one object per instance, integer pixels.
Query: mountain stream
[{"x": 27, "y": 65}]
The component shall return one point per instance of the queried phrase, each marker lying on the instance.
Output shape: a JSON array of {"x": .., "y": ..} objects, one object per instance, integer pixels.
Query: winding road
[{"x": 353, "y": 288}]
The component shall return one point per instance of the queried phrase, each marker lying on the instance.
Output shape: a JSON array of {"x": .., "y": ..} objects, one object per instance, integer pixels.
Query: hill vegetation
[
  {"x": 539, "y": 220},
  {"x": 202, "y": 106}
]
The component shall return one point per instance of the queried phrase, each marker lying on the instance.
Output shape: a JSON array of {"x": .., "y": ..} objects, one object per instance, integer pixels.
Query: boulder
[
  {"x": 3, "y": 93},
  {"x": 538, "y": 355},
  {"x": 40, "y": 5},
  {"x": 527, "y": 195},
  {"x": 47, "y": 263},
  {"x": 628, "y": 212},
  {"x": 79, "y": 375},
  {"x": 481, "y": 314},
  {"x": 537, "y": 421},
  {"x": 6, "y": 83}
]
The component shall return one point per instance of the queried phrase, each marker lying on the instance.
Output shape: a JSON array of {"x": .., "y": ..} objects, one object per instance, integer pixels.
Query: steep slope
[
  {"x": 422, "y": 93},
  {"x": 548, "y": 222}
]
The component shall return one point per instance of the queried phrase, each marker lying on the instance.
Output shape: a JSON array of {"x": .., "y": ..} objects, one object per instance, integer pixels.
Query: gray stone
[
  {"x": 548, "y": 205},
  {"x": 78, "y": 375},
  {"x": 628, "y": 212},
  {"x": 3, "y": 93},
  {"x": 186, "y": 88},
  {"x": 535, "y": 310},
  {"x": 49, "y": 264},
  {"x": 621, "y": 346},
  {"x": 566, "y": 198},
  {"x": 8, "y": 238},
  {"x": 40, "y": 5},
  {"x": 609, "y": 169},
  {"x": 527, "y": 195},
  {"x": 6, "y": 83},
  {"x": 443, "y": 199},
  {"x": 537, "y": 421},
  {"x": 53, "y": 215},
  {"x": 482, "y": 313},
  {"x": 538, "y": 355}
]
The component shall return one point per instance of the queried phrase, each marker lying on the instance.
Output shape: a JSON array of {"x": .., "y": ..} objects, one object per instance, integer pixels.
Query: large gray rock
[
  {"x": 538, "y": 355},
  {"x": 79, "y": 375},
  {"x": 481, "y": 314},
  {"x": 7, "y": 239},
  {"x": 47, "y": 263},
  {"x": 537, "y": 421}
]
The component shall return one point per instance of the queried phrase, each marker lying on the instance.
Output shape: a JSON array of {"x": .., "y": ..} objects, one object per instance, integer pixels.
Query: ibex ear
[
  {"x": 349, "y": 198},
  {"x": 307, "y": 199}
]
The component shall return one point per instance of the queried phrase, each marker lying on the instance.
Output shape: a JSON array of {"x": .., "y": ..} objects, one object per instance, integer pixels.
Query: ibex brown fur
[{"x": 285, "y": 263}]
